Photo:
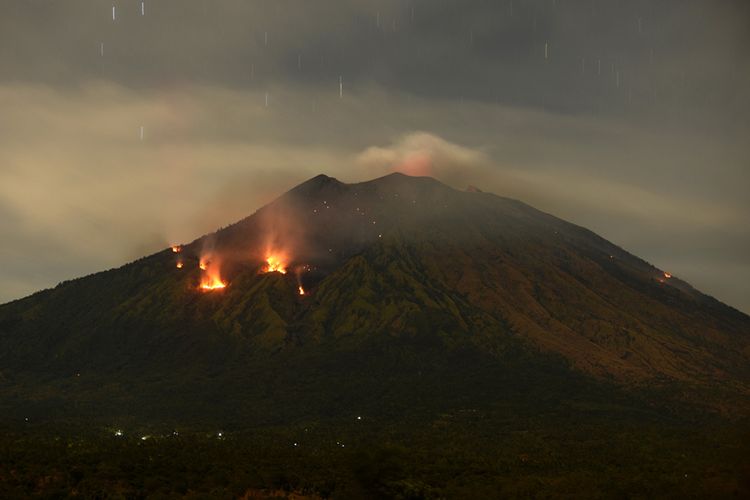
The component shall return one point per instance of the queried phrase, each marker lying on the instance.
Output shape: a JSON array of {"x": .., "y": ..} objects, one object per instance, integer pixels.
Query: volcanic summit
[{"x": 396, "y": 294}]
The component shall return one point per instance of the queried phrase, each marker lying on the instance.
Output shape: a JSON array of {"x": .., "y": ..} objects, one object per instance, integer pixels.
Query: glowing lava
[{"x": 275, "y": 264}]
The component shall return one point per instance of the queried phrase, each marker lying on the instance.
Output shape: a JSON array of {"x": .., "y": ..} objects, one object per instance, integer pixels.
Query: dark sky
[{"x": 628, "y": 117}]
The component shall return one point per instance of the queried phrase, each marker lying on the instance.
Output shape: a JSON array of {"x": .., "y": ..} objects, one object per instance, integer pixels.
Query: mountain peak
[
  {"x": 406, "y": 180},
  {"x": 323, "y": 178},
  {"x": 316, "y": 184},
  {"x": 322, "y": 183}
]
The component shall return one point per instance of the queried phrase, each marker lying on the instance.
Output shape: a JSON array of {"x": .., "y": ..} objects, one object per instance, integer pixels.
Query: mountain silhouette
[{"x": 399, "y": 295}]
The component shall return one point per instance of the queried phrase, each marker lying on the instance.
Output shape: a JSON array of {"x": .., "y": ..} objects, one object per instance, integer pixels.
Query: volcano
[{"x": 390, "y": 297}]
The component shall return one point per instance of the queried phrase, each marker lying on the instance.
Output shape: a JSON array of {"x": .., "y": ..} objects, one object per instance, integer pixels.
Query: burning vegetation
[
  {"x": 268, "y": 249},
  {"x": 275, "y": 263},
  {"x": 211, "y": 276}
]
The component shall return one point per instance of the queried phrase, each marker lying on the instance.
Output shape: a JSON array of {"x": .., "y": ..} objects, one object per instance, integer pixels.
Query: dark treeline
[{"x": 461, "y": 454}]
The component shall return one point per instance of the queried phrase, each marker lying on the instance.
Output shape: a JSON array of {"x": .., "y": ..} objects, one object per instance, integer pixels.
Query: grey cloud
[{"x": 674, "y": 58}]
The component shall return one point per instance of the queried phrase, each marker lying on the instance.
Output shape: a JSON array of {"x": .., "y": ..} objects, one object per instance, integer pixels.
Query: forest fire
[
  {"x": 298, "y": 270},
  {"x": 211, "y": 283},
  {"x": 211, "y": 278},
  {"x": 667, "y": 275},
  {"x": 275, "y": 263},
  {"x": 176, "y": 248},
  {"x": 179, "y": 264}
]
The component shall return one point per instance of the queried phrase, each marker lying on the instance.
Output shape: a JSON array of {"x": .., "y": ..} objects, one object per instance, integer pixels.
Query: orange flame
[
  {"x": 298, "y": 270},
  {"x": 667, "y": 275},
  {"x": 176, "y": 248},
  {"x": 179, "y": 265},
  {"x": 275, "y": 263},
  {"x": 211, "y": 279},
  {"x": 211, "y": 283}
]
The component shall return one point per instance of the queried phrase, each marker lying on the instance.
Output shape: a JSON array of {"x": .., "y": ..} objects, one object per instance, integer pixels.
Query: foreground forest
[{"x": 467, "y": 453}]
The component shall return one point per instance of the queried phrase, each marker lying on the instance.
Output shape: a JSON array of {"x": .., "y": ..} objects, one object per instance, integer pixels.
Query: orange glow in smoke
[
  {"x": 211, "y": 278},
  {"x": 275, "y": 263},
  {"x": 418, "y": 163}
]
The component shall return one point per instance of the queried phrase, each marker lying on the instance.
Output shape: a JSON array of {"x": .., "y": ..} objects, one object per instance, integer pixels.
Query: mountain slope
[{"x": 405, "y": 276}]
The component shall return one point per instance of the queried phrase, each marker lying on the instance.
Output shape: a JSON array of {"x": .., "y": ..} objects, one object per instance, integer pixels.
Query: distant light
[
  {"x": 118, "y": 433},
  {"x": 359, "y": 418}
]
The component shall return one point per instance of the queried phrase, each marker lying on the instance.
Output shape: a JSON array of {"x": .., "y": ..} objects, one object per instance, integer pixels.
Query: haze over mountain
[{"x": 416, "y": 292}]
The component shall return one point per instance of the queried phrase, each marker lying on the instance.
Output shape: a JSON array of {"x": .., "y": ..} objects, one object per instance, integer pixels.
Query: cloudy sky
[{"x": 125, "y": 125}]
